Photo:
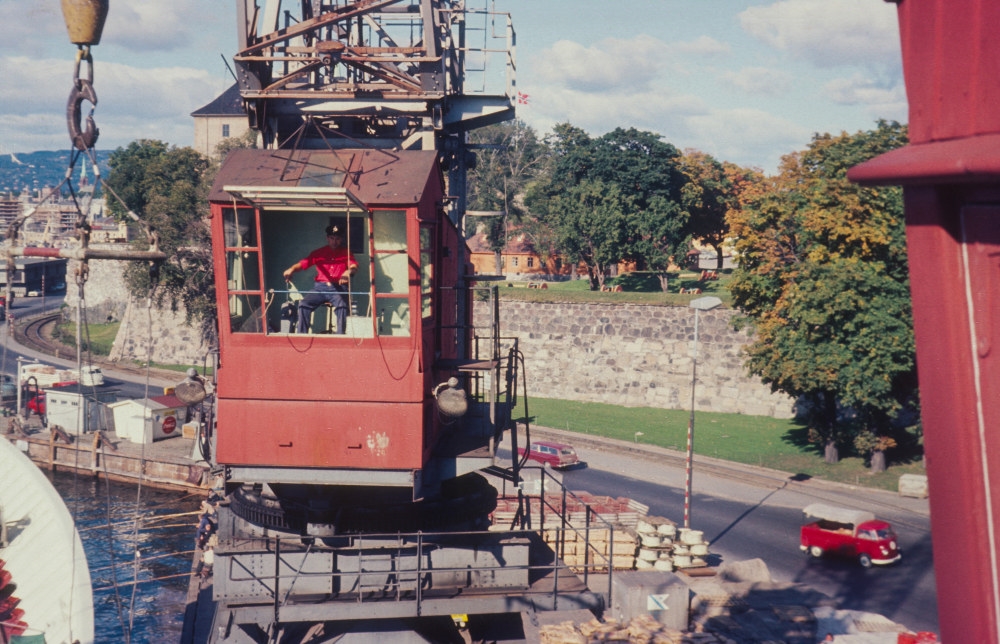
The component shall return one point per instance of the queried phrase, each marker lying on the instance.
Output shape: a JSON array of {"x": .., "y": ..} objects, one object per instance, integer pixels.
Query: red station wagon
[
  {"x": 849, "y": 533},
  {"x": 558, "y": 455}
]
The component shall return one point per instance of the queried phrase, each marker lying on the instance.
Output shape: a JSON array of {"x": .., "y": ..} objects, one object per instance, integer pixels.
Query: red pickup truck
[{"x": 855, "y": 534}]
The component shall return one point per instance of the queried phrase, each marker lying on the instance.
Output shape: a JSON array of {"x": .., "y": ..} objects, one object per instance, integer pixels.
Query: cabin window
[
  {"x": 290, "y": 235},
  {"x": 242, "y": 270},
  {"x": 260, "y": 249},
  {"x": 391, "y": 263}
]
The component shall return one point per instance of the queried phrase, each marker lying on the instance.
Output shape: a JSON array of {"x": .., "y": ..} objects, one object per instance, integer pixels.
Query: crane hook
[{"x": 83, "y": 90}]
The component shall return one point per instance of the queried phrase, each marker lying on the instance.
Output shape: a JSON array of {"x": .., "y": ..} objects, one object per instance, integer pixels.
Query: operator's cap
[{"x": 332, "y": 230}]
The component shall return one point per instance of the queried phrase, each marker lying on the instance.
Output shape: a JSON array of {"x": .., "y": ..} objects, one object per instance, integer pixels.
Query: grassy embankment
[{"x": 101, "y": 338}]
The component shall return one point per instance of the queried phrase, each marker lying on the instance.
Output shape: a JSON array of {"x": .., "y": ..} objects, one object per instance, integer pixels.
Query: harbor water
[{"x": 139, "y": 543}]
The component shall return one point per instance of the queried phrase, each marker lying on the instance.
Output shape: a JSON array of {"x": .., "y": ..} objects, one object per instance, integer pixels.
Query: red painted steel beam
[{"x": 951, "y": 178}]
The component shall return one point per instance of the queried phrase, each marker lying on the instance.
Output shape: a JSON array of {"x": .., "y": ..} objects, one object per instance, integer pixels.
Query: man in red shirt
[{"x": 334, "y": 266}]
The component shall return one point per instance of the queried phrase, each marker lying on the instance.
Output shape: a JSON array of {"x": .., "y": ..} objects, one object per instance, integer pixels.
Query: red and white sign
[{"x": 169, "y": 424}]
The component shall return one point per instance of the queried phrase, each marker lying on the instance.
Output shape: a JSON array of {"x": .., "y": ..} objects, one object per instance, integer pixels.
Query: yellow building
[{"x": 223, "y": 118}]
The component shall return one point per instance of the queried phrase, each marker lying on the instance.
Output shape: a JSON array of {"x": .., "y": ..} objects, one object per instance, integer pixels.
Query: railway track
[{"x": 36, "y": 334}]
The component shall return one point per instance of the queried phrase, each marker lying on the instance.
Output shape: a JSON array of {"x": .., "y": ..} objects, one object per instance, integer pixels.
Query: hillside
[{"x": 39, "y": 170}]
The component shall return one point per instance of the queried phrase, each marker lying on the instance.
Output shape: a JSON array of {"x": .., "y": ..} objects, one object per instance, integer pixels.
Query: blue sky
[{"x": 744, "y": 80}]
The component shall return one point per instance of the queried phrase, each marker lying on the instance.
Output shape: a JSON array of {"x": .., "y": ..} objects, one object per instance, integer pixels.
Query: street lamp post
[{"x": 700, "y": 304}]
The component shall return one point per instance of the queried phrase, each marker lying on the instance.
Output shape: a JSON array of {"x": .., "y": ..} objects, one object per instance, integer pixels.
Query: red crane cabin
[{"x": 320, "y": 407}]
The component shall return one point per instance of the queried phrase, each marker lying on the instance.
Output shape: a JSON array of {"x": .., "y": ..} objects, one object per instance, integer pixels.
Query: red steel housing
[
  {"x": 359, "y": 401},
  {"x": 950, "y": 175}
]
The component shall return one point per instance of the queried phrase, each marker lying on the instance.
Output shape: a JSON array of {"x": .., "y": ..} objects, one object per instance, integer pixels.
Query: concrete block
[
  {"x": 913, "y": 485},
  {"x": 659, "y": 594}
]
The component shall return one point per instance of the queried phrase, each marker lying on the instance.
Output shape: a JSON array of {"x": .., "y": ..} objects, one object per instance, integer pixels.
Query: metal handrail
[{"x": 416, "y": 546}]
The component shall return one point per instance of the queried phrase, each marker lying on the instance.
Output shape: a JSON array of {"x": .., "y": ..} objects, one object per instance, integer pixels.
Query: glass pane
[
  {"x": 390, "y": 229},
  {"x": 242, "y": 271},
  {"x": 244, "y": 314},
  {"x": 393, "y": 316},
  {"x": 391, "y": 273},
  {"x": 426, "y": 280},
  {"x": 239, "y": 227},
  {"x": 426, "y": 271}
]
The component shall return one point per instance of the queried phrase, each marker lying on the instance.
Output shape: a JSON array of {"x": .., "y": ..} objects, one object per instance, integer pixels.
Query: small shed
[
  {"x": 149, "y": 419},
  {"x": 79, "y": 409}
]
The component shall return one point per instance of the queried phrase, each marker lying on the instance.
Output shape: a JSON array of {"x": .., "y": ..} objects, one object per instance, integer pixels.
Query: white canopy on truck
[{"x": 837, "y": 515}]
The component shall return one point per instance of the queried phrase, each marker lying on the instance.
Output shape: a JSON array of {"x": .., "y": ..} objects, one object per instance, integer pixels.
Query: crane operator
[{"x": 334, "y": 267}]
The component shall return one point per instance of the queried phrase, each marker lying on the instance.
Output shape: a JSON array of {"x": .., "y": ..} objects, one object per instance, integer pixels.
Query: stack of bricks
[
  {"x": 596, "y": 550},
  {"x": 640, "y": 630},
  {"x": 608, "y": 527}
]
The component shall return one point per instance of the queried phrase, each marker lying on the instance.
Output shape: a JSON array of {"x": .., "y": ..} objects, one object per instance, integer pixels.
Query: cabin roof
[{"x": 370, "y": 177}]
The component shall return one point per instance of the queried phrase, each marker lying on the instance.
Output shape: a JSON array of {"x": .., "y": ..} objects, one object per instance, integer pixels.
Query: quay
[{"x": 170, "y": 463}]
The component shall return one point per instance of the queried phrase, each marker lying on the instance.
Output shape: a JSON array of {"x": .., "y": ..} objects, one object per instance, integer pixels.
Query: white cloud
[
  {"x": 153, "y": 25},
  {"x": 761, "y": 81},
  {"x": 880, "y": 101},
  {"x": 45, "y": 21},
  {"x": 746, "y": 136},
  {"x": 701, "y": 46},
  {"x": 828, "y": 32},
  {"x": 607, "y": 65},
  {"x": 599, "y": 113},
  {"x": 132, "y": 103}
]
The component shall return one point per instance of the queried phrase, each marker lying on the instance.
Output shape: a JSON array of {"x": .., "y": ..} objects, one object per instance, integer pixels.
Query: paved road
[{"x": 749, "y": 513}]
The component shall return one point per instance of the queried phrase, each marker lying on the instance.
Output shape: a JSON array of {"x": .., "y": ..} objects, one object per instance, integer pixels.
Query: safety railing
[{"x": 402, "y": 567}]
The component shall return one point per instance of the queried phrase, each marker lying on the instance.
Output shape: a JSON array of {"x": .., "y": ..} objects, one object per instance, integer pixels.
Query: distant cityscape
[
  {"x": 24, "y": 181},
  {"x": 36, "y": 171}
]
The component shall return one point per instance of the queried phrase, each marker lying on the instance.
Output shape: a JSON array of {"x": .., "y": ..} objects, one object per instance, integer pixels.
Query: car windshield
[{"x": 879, "y": 534}]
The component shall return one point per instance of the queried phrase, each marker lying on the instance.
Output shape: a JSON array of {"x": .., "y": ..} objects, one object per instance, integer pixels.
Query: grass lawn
[
  {"x": 101, "y": 336},
  {"x": 638, "y": 288},
  {"x": 754, "y": 440}
]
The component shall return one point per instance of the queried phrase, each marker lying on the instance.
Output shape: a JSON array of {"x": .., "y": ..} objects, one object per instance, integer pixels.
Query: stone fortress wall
[
  {"x": 620, "y": 354},
  {"x": 637, "y": 356},
  {"x": 155, "y": 334}
]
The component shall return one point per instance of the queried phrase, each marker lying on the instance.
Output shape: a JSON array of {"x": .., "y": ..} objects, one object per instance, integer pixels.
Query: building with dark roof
[{"x": 223, "y": 118}]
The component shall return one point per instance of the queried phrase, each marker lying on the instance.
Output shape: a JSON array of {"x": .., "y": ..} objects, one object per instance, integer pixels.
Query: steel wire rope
[
  {"x": 81, "y": 328},
  {"x": 83, "y": 227},
  {"x": 142, "y": 452}
]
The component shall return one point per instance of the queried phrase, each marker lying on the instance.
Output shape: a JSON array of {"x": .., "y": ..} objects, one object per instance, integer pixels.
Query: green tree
[
  {"x": 246, "y": 141},
  {"x": 507, "y": 157},
  {"x": 707, "y": 196},
  {"x": 645, "y": 175},
  {"x": 166, "y": 189},
  {"x": 822, "y": 279},
  {"x": 592, "y": 221}
]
